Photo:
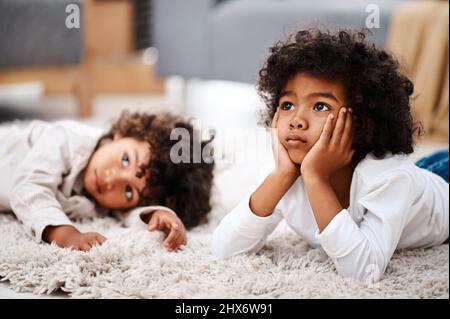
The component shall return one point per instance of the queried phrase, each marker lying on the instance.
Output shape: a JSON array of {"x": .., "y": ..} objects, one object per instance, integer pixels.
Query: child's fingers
[
  {"x": 90, "y": 239},
  {"x": 175, "y": 242},
  {"x": 172, "y": 238},
  {"x": 180, "y": 225},
  {"x": 339, "y": 127},
  {"x": 352, "y": 152},
  {"x": 100, "y": 238},
  {"x": 275, "y": 141},
  {"x": 347, "y": 134},
  {"x": 173, "y": 235},
  {"x": 153, "y": 224},
  {"x": 175, "y": 222},
  {"x": 181, "y": 240},
  {"x": 273, "y": 131},
  {"x": 85, "y": 247},
  {"x": 178, "y": 231},
  {"x": 327, "y": 130},
  {"x": 94, "y": 243},
  {"x": 275, "y": 119},
  {"x": 176, "y": 245}
]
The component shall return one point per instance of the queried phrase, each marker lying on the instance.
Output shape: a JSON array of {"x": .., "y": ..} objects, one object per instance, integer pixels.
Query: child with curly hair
[
  {"x": 342, "y": 128},
  {"x": 55, "y": 171}
]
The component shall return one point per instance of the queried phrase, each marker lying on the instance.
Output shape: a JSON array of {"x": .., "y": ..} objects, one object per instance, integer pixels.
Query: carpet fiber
[{"x": 133, "y": 264}]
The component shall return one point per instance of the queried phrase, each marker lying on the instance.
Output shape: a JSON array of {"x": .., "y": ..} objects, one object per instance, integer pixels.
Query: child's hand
[
  {"x": 283, "y": 162},
  {"x": 172, "y": 226},
  {"x": 333, "y": 150},
  {"x": 69, "y": 237},
  {"x": 85, "y": 241}
]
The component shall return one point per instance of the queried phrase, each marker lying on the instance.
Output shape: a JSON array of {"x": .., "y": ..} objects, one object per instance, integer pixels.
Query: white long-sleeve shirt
[
  {"x": 41, "y": 168},
  {"x": 393, "y": 205}
]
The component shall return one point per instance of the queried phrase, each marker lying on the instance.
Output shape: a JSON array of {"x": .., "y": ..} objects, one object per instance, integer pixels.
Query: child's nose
[
  {"x": 298, "y": 121},
  {"x": 109, "y": 182},
  {"x": 115, "y": 178}
]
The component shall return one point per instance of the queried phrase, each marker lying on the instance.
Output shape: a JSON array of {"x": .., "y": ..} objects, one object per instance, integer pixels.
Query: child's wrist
[
  {"x": 285, "y": 175},
  {"x": 312, "y": 177},
  {"x": 58, "y": 234},
  {"x": 283, "y": 179}
]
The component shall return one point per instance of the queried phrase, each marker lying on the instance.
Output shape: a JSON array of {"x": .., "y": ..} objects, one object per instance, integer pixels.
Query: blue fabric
[{"x": 436, "y": 163}]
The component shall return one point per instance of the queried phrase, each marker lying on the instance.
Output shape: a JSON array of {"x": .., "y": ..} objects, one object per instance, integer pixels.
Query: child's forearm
[
  {"x": 324, "y": 202},
  {"x": 266, "y": 197},
  {"x": 59, "y": 234}
]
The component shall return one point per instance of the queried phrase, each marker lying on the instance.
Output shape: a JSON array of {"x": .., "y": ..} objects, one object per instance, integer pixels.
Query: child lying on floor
[
  {"x": 342, "y": 125},
  {"x": 55, "y": 171}
]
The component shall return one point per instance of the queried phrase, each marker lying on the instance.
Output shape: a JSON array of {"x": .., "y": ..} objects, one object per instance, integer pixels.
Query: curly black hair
[
  {"x": 184, "y": 187},
  {"x": 376, "y": 90}
]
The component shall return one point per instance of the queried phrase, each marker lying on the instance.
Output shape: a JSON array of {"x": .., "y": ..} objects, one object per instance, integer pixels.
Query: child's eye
[
  {"x": 287, "y": 106},
  {"x": 128, "y": 192},
  {"x": 125, "y": 160},
  {"x": 321, "y": 107}
]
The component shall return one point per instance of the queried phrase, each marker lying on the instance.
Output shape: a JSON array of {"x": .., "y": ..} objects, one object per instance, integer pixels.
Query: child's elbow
[
  {"x": 369, "y": 274},
  {"x": 220, "y": 253},
  {"x": 219, "y": 250},
  {"x": 368, "y": 270}
]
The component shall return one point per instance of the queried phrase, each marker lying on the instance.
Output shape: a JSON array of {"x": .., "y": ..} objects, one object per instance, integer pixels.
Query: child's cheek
[
  {"x": 279, "y": 134},
  {"x": 282, "y": 123}
]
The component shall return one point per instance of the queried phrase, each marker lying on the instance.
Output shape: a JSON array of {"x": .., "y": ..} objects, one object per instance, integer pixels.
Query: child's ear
[{"x": 117, "y": 136}]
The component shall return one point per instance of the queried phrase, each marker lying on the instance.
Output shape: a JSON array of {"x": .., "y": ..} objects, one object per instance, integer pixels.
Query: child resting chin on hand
[{"x": 342, "y": 128}]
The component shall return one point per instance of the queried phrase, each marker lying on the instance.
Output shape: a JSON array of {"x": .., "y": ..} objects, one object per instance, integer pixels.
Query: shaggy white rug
[{"x": 133, "y": 264}]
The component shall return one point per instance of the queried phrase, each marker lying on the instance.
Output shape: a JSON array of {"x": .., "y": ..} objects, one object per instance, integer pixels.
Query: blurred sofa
[
  {"x": 228, "y": 39},
  {"x": 98, "y": 57},
  {"x": 33, "y": 33}
]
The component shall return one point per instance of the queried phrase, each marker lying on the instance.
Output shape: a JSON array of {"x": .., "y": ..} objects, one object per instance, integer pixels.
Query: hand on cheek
[
  {"x": 283, "y": 162},
  {"x": 333, "y": 150}
]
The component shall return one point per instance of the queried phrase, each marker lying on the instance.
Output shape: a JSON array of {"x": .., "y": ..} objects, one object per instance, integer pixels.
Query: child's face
[
  {"x": 305, "y": 103},
  {"x": 110, "y": 176}
]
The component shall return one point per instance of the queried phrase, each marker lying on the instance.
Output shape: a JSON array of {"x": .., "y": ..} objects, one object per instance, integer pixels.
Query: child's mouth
[{"x": 295, "y": 140}]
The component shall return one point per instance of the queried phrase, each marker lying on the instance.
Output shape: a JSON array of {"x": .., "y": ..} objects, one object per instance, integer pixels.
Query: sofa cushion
[{"x": 34, "y": 33}]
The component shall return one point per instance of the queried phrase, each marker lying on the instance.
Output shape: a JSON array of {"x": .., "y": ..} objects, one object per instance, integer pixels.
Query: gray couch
[
  {"x": 33, "y": 33},
  {"x": 228, "y": 39}
]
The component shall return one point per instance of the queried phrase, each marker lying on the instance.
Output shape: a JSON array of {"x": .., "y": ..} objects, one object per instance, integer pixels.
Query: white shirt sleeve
[
  {"x": 363, "y": 251},
  {"x": 242, "y": 231},
  {"x": 36, "y": 180}
]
